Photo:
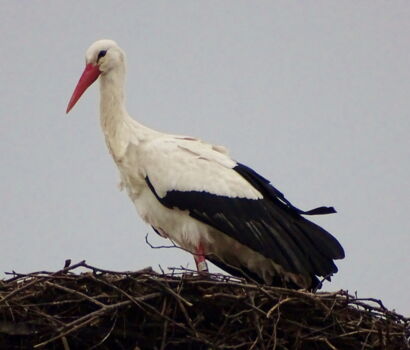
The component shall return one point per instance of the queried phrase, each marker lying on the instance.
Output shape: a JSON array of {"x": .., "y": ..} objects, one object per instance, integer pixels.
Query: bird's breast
[
  {"x": 132, "y": 179},
  {"x": 117, "y": 149}
]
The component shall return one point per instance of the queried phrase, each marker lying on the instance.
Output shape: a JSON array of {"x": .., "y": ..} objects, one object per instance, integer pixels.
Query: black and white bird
[{"x": 193, "y": 193}]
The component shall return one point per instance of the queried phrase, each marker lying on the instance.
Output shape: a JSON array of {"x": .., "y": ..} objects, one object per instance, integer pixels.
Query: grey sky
[{"x": 312, "y": 95}]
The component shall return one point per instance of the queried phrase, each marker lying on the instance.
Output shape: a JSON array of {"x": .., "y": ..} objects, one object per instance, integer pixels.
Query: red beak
[{"x": 89, "y": 76}]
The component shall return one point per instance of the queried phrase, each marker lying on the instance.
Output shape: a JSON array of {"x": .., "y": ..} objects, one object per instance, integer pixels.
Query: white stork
[{"x": 193, "y": 193}]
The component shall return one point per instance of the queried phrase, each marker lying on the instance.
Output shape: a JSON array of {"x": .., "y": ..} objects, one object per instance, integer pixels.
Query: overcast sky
[{"x": 314, "y": 95}]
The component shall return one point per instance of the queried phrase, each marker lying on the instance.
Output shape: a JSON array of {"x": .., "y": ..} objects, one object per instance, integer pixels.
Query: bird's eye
[{"x": 101, "y": 54}]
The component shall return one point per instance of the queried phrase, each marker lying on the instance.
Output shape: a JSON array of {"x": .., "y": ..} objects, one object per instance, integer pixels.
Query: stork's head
[{"x": 100, "y": 58}]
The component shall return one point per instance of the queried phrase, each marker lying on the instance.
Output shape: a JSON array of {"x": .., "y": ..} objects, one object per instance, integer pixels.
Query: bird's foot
[{"x": 201, "y": 265}]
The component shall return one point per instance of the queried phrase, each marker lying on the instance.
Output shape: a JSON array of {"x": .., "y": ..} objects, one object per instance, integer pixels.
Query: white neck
[
  {"x": 118, "y": 127},
  {"x": 112, "y": 103}
]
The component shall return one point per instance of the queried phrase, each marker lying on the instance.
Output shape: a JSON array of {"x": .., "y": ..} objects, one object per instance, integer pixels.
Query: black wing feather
[{"x": 271, "y": 226}]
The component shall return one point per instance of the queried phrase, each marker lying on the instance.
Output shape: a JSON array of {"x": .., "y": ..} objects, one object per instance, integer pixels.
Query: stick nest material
[{"x": 99, "y": 309}]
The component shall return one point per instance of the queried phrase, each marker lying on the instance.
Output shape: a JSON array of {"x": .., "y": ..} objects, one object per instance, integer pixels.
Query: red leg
[{"x": 199, "y": 257}]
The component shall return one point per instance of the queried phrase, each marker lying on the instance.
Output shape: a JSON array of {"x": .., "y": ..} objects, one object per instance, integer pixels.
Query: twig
[
  {"x": 167, "y": 246},
  {"x": 83, "y": 321},
  {"x": 75, "y": 292},
  {"x": 105, "y": 308},
  {"x": 170, "y": 291},
  {"x": 165, "y": 326},
  {"x": 276, "y": 306},
  {"x": 35, "y": 281},
  {"x": 107, "y": 335},
  {"x": 329, "y": 344},
  {"x": 65, "y": 343}
]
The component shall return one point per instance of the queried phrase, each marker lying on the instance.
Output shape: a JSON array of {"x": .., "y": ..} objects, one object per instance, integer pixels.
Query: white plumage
[{"x": 193, "y": 193}]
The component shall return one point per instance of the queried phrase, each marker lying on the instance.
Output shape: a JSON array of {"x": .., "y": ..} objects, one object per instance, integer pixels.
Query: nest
[{"x": 100, "y": 309}]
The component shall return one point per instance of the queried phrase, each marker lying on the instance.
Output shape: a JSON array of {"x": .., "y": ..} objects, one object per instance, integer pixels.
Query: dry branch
[{"x": 143, "y": 309}]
